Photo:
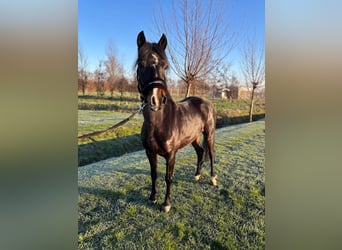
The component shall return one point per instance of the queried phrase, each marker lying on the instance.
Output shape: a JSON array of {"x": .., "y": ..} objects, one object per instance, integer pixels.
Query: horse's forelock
[
  {"x": 157, "y": 49},
  {"x": 147, "y": 49}
]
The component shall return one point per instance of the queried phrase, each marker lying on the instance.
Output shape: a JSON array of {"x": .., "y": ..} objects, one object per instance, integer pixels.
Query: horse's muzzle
[{"x": 158, "y": 98}]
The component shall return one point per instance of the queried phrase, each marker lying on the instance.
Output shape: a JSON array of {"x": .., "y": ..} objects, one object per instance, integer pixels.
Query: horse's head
[{"x": 151, "y": 67}]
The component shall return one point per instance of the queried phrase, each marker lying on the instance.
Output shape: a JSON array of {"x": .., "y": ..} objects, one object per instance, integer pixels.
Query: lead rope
[{"x": 81, "y": 137}]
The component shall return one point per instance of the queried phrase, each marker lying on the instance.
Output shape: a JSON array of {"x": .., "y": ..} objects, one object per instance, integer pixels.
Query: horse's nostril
[
  {"x": 153, "y": 101},
  {"x": 164, "y": 100}
]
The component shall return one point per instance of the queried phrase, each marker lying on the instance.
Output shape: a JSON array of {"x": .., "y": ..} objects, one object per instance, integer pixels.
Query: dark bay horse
[{"x": 169, "y": 126}]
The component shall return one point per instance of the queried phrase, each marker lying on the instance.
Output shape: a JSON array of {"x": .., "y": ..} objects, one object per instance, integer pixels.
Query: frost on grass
[{"x": 114, "y": 212}]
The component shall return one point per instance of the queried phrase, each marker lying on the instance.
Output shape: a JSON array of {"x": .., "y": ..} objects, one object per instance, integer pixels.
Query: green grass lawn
[{"x": 114, "y": 212}]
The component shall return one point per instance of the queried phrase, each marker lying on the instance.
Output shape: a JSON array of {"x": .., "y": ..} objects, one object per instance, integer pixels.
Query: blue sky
[{"x": 120, "y": 22}]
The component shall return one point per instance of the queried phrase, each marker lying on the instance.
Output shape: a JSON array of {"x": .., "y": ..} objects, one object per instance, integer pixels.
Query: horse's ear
[
  {"x": 141, "y": 40},
  {"x": 163, "y": 42}
]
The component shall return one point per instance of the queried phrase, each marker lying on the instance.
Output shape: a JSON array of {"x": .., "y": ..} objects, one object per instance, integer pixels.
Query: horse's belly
[
  {"x": 161, "y": 144},
  {"x": 188, "y": 134}
]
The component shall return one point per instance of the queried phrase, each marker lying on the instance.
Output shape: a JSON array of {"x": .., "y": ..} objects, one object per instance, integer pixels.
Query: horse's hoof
[
  {"x": 197, "y": 177},
  {"x": 166, "y": 208},
  {"x": 213, "y": 180},
  {"x": 152, "y": 201}
]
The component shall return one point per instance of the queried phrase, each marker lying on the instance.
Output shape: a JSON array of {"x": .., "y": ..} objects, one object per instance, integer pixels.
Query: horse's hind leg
[
  {"x": 200, "y": 157},
  {"x": 211, "y": 151}
]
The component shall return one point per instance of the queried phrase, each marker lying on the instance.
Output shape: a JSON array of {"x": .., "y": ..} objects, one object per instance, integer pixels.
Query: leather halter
[{"x": 154, "y": 84}]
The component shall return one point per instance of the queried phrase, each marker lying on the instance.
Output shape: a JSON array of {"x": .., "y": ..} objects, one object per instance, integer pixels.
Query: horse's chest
[
  {"x": 155, "y": 145},
  {"x": 157, "y": 142}
]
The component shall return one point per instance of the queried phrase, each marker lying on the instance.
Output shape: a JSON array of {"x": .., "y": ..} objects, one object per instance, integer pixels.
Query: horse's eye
[{"x": 141, "y": 64}]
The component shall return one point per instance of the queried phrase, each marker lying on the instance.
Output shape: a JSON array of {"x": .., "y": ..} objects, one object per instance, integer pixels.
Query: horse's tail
[
  {"x": 209, "y": 135},
  {"x": 205, "y": 146}
]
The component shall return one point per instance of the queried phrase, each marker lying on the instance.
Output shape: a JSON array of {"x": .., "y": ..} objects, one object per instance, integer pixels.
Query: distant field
[{"x": 114, "y": 212}]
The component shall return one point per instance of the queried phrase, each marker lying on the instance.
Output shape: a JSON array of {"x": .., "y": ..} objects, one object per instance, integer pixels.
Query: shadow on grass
[
  {"x": 100, "y": 206},
  {"x": 217, "y": 245},
  {"x": 107, "y": 203},
  {"x": 224, "y": 120},
  {"x": 101, "y": 150},
  {"x": 135, "y": 171},
  {"x": 112, "y": 196}
]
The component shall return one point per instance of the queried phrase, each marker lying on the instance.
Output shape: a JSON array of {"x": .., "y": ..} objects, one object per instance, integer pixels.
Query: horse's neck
[{"x": 170, "y": 103}]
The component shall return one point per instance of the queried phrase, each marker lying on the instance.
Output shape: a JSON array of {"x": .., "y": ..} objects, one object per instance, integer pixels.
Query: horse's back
[{"x": 203, "y": 107}]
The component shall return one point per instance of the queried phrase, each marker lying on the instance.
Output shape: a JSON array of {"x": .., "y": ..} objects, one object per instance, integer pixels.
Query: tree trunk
[
  {"x": 188, "y": 89},
  {"x": 251, "y": 107}
]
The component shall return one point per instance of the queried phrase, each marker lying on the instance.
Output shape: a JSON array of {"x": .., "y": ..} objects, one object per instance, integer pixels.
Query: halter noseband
[{"x": 155, "y": 84}]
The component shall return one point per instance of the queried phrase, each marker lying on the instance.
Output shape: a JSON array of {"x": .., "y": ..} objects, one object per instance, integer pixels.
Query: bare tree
[
  {"x": 99, "y": 80},
  {"x": 82, "y": 70},
  {"x": 253, "y": 68},
  {"x": 122, "y": 83},
  {"x": 227, "y": 82},
  {"x": 200, "y": 38},
  {"x": 113, "y": 67},
  {"x": 132, "y": 86},
  {"x": 234, "y": 87},
  {"x": 223, "y": 75}
]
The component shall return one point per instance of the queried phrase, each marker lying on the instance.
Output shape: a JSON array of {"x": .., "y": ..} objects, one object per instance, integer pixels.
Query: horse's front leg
[
  {"x": 170, "y": 163},
  {"x": 153, "y": 159}
]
